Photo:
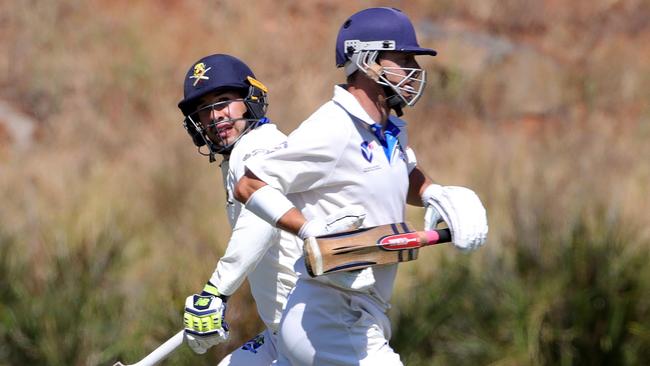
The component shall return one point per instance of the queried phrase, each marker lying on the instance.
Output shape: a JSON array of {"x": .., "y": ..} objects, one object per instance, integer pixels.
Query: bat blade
[{"x": 357, "y": 249}]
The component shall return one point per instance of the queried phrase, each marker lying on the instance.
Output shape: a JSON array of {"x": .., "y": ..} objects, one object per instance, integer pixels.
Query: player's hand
[
  {"x": 204, "y": 321},
  {"x": 347, "y": 218},
  {"x": 461, "y": 209}
]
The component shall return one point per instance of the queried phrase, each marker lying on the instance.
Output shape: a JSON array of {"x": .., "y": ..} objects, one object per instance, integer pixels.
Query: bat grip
[{"x": 437, "y": 236}]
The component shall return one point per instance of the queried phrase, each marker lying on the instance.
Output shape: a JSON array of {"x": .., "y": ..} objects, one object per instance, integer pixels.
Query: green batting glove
[{"x": 204, "y": 319}]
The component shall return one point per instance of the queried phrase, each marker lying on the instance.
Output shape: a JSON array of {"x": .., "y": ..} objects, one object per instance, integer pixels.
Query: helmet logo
[{"x": 199, "y": 73}]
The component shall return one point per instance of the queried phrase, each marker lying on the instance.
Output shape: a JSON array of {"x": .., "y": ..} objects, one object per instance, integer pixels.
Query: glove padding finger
[
  {"x": 431, "y": 218},
  {"x": 463, "y": 212},
  {"x": 347, "y": 218}
]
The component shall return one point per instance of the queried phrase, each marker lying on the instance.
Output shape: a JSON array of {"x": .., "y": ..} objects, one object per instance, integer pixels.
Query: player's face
[
  {"x": 221, "y": 114},
  {"x": 401, "y": 66}
]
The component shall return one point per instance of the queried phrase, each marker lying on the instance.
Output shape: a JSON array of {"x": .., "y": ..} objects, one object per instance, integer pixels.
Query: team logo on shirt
[
  {"x": 366, "y": 150},
  {"x": 280, "y": 146}
]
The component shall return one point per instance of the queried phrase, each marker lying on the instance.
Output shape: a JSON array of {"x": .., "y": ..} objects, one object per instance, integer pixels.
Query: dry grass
[{"x": 112, "y": 211}]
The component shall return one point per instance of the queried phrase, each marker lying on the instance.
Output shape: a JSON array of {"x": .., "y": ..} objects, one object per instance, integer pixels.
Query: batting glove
[
  {"x": 347, "y": 218},
  {"x": 204, "y": 320},
  {"x": 461, "y": 209}
]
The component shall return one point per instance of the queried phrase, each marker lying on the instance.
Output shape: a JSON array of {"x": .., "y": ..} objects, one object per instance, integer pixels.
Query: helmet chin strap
[
  {"x": 367, "y": 63},
  {"x": 393, "y": 100}
]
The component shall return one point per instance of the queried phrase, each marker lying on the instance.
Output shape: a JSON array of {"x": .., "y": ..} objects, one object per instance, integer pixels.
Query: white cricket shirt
[
  {"x": 256, "y": 249},
  {"x": 333, "y": 160}
]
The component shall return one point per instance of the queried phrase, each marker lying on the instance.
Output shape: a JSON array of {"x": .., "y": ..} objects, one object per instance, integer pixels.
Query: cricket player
[
  {"x": 353, "y": 152},
  {"x": 224, "y": 107}
]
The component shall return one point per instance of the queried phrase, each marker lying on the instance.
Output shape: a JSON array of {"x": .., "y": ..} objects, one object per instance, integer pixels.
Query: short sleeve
[
  {"x": 411, "y": 160},
  {"x": 311, "y": 153},
  {"x": 256, "y": 143}
]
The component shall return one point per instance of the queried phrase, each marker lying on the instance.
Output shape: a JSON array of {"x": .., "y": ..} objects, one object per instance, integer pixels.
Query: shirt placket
[{"x": 387, "y": 138}]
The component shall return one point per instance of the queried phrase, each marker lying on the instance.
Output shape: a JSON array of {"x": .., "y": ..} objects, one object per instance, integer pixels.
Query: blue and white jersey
[{"x": 334, "y": 159}]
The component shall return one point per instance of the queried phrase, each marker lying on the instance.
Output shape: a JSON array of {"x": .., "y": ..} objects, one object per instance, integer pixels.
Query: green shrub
[
  {"x": 583, "y": 304},
  {"x": 58, "y": 307}
]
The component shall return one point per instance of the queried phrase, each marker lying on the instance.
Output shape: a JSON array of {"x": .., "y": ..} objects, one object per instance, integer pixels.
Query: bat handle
[
  {"x": 161, "y": 352},
  {"x": 431, "y": 237}
]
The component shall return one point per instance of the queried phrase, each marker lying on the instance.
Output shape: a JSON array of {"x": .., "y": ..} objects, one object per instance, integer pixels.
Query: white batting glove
[
  {"x": 461, "y": 209},
  {"x": 347, "y": 218},
  {"x": 204, "y": 321}
]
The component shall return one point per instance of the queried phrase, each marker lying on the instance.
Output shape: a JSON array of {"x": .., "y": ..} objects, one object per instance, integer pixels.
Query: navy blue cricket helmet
[
  {"x": 214, "y": 74},
  {"x": 389, "y": 28}
]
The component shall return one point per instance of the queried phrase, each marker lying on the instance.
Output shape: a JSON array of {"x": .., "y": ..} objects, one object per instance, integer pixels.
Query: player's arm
[
  {"x": 303, "y": 164},
  {"x": 270, "y": 204},
  {"x": 251, "y": 238},
  {"x": 285, "y": 216},
  {"x": 204, "y": 314},
  {"x": 459, "y": 207},
  {"x": 418, "y": 182},
  {"x": 275, "y": 208}
]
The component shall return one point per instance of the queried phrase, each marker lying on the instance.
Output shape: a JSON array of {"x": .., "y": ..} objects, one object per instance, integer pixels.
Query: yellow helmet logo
[{"x": 199, "y": 73}]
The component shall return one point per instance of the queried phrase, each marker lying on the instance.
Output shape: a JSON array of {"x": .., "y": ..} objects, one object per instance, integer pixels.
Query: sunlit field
[{"x": 109, "y": 217}]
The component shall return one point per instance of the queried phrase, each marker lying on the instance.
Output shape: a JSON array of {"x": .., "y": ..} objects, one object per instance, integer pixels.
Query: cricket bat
[{"x": 385, "y": 244}]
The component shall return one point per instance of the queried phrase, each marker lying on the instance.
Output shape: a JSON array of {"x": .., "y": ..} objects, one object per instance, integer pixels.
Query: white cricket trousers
[
  {"x": 259, "y": 351},
  {"x": 322, "y": 325}
]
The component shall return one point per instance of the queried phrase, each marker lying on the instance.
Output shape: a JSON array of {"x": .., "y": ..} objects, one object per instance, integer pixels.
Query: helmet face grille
[
  {"x": 207, "y": 134},
  {"x": 406, "y": 84}
]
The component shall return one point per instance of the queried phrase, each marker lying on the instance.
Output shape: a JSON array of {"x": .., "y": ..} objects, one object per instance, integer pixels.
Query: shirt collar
[
  {"x": 346, "y": 100},
  {"x": 350, "y": 104},
  {"x": 398, "y": 122}
]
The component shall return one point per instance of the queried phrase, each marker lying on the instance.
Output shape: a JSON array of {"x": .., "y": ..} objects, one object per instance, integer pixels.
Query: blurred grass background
[{"x": 109, "y": 218}]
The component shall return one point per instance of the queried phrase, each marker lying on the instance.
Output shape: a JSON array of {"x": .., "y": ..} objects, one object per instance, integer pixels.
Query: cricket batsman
[
  {"x": 353, "y": 152},
  {"x": 224, "y": 108}
]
